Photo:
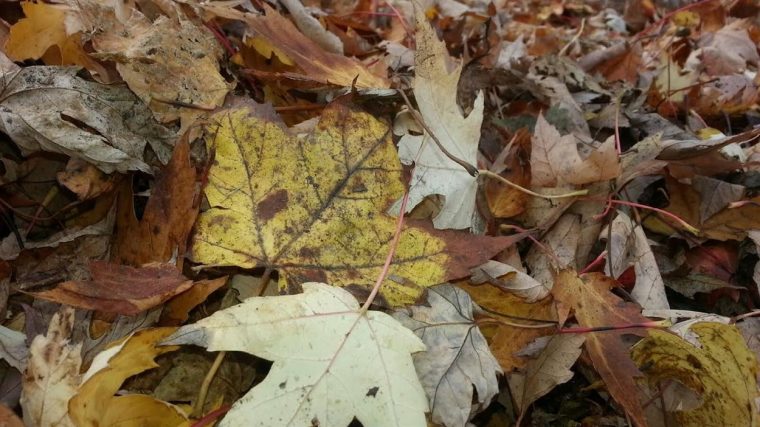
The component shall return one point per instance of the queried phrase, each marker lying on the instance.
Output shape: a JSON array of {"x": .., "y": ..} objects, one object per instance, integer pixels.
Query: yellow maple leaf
[
  {"x": 95, "y": 403},
  {"x": 312, "y": 206},
  {"x": 722, "y": 372},
  {"x": 33, "y": 35}
]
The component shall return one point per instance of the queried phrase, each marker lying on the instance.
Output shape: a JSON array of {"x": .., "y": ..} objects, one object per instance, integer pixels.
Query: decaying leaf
[
  {"x": 331, "y": 361},
  {"x": 435, "y": 89},
  {"x": 53, "y": 109},
  {"x": 457, "y": 356},
  {"x": 95, "y": 403},
  {"x": 550, "y": 369},
  {"x": 311, "y": 207},
  {"x": 595, "y": 306},
  {"x": 723, "y": 372},
  {"x": 52, "y": 374}
]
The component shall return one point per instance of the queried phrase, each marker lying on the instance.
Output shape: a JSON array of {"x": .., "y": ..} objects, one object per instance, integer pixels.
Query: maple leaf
[
  {"x": 457, "y": 356},
  {"x": 555, "y": 159},
  {"x": 595, "y": 306},
  {"x": 311, "y": 207},
  {"x": 435, "y": 89},
  {"x": 723, "y": 371},
  {"x": 331, "y": 361},
  {"x": 42, "y": 27},
  {"x": 52, "y": 109},
  {"x": 95, "y": 404}
]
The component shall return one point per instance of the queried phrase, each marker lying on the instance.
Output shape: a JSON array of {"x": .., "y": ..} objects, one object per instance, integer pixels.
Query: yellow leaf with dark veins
[{"x": 312, "y": 206}]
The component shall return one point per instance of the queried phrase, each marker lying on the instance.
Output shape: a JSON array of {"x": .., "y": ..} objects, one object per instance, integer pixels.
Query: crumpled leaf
[
  {"x": 52, "y": 374},
  {"x": 311, "y": 207},
  {"x": 550, "y": 369},
  {"x": 510, "y": 279},
  {"x": 435, "y": 89},
  {"x": 555, "y": 159},
  {"x": 331, "y": 362},
  {"x": 595, "y": 306},
  {"x": 171, "y": 64},
  {"x": 53, "y": 109},
  {"x": 629, "y": 245},
  {"x": 723, "y": 371},
  {"x": 457, "y": 356},
  {"x": 95, "y": 403}
]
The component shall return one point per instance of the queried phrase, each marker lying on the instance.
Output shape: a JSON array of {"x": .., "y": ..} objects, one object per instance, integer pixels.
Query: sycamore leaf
[
  {"x": 595, "y": 306},
  {"x": 723, "y": 371},
  {"x": 629, "y": 245},
  {"x": 550, "y": 369},
  {"x": 53, "y": 109},
  {"x": 52, "y": 374},
  {"x": 457, "y": 356},
  {"x": 435, "y": 89},
  {"x": 555, "y": 159},
  {"x": 311, "y": 207},
  {"x": 95, "y": 403},
  {"x": 331, "y": 362}
]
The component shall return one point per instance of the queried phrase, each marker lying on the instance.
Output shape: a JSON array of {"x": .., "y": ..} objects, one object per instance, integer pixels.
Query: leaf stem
[
  {"x": 198, "y": 407},
  {"x": 503, "y": 180}
]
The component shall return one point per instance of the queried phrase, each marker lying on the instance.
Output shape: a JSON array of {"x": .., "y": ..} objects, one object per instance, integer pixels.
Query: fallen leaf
[
  {"x": 13, "y": 348},
  {"x": 171, "y": 64},
  {"x": 715, "y": 195},
  {"x": 555, "y": 159},
  {"x": 53, "y": 109},
  {"x": 8, "y": 418},
  {"x": 95, "y": 403},
  {"x": 550, "y": 369},
  {"x": 304, "y": 206},
  {"x": 120, "y": 289},
  {"x": 435, "y": 89},
  {"x": 457, "y": 356},
  {"x": 162, "y": 233},
  {"x": 629, "y": 246},
  {"x": 512, "y": 163},
  {"x": 722, "y": 371},
  {"x": 85, "y": 180},
  {"x": 42, "y": 27},
  {"x": 52, "y": 374},
  {"x": 697, "y": 283},
  {"x": 331, "y": 361},
  {"x": 595, "y": 306},
  {"x": 562, "y": 241},
  {"x": 312, "y": 28}
]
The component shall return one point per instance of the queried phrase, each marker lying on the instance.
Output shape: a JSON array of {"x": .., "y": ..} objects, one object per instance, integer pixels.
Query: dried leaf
[
  {"x": 629, "y": 246},
  {"x": 13, "y": 348},
  {"x": 177, "y": 310},
  {"x": 550, "y": 369},
  {"x": 555, "y": 159},
  {"x": 457, "y": 356},
  {"x": 52, "y": 109},
  {"x": 435, "y": 89},
  {"x": 331, "y": 361},
  {"x": 52, "y": 374},
  {"x": 509, "y": 279}
]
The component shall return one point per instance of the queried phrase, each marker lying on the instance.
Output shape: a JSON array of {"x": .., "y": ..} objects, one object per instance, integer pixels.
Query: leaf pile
[{"x": 398, "y": 213}]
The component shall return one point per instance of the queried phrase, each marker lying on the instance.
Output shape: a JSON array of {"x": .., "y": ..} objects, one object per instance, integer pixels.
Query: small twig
[
  {"x": 198, "y": 407},
  {"x": 565, "y": 48},
  {"x": 472, "y": 170},
  {"x": 489, "y": 174}
]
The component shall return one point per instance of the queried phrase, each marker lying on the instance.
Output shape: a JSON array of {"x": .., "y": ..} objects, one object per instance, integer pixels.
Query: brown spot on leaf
[{"x": 272, "y": 204}]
